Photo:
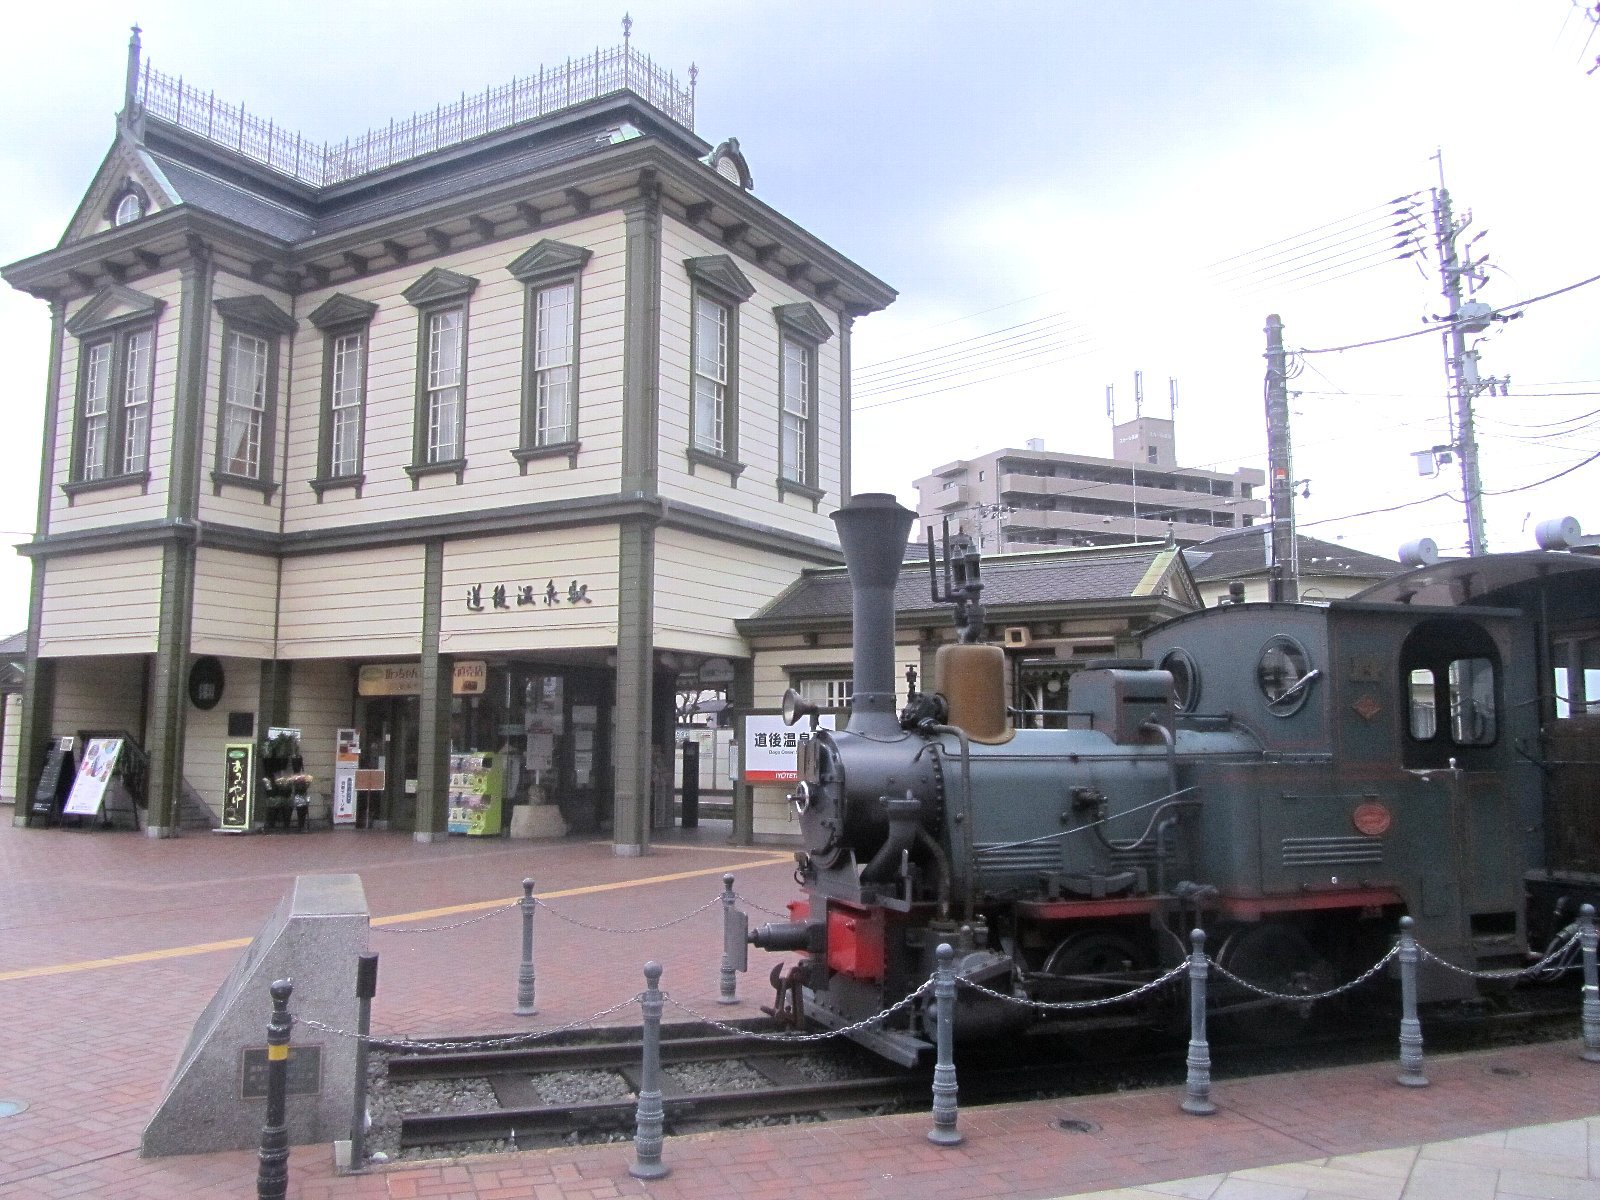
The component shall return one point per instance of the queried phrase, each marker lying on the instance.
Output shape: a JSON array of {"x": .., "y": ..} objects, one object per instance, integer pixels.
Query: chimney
[{"x": 873, "y": 528}]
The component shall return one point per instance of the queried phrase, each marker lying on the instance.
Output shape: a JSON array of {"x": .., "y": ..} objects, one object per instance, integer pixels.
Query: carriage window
[
  {"x": 1423, "y": 704},
  {"x": 1472, "y": 712}
]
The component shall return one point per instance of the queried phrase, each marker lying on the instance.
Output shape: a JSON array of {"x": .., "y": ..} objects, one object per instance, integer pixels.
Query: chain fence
[
  {"x": 508, "y": 906},
  {"x": 561, "y": 916}
]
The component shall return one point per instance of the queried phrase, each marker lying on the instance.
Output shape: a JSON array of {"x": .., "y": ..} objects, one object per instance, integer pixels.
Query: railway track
[{"x": 584, "y": 1091}]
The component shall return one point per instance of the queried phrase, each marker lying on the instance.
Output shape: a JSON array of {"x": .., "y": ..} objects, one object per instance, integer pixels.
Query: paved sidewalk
[{"x": 111, "y": 944}]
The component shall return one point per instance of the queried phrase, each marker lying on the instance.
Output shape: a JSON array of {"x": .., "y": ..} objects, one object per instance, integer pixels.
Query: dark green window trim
[
  {"x": 340, "y": 317},
  {"x": 114, "y": 317},
  {"x": 718, "y": 279},
  {"x": 254, "y": 317},
  {"x": 804, "y": 327},
  {"x": 438, "y": 291},
  {"x": 545, "y": 265}
]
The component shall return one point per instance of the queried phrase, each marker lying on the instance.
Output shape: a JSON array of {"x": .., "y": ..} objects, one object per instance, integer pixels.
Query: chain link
[
  {"x": 1070, "y": 1005},
  {"x": 1304, "y": 997},
  {"x": 493, "y": 912},
  {"x": 803, "y": 1038},
  {"x": 749, "y": 903},
  {"x": 1543, "y": 964},
  {"x": 560, "y": 916},
  {"x": 515, "y": 1039}
]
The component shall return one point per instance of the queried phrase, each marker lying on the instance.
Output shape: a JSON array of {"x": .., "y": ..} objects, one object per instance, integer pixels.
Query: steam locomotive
[{"x": 1291, "y": 778}]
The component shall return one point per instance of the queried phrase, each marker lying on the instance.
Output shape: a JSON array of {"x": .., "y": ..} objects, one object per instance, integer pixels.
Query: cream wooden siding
[
  {"x": 773, "y": 817},
  {"x": 8, "y": 748},
  {"x": 587, "y": 555},
  {"x": 703, "y": 585},
  {"x": 321, "y": 694},
  {"x": 773, "y": 669},
  {"x": 119, "y": 505},
  {"x": 206, "y": 730},
  {"x": 106, "y": 603},
  {"x": 239, "y": 505},
  {"x": 235, "y": 604},
  {"x": 365, "y": 603},
  {"x": 105, "y": 693},
  {"x": 757, "y": 491},
  {"x": 493, "y": 478}
]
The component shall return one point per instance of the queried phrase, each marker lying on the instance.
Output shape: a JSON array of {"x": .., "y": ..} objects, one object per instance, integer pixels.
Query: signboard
[
  {"x": 769, "y": 746},
  {"x": 238, "y": 787},
  {"x": 94, "y": 773},
  {"x": 346, "y": 758},
  {"x": 302, "y": 1077},
  {"x": 405, "y": 679}
]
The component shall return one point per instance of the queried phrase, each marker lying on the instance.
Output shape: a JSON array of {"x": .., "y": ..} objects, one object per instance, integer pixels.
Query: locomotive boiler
[{"x": 1290, "y": 778}]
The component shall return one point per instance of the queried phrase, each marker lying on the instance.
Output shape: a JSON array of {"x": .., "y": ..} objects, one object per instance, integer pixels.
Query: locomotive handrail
[{"x": 998, "y": 847}]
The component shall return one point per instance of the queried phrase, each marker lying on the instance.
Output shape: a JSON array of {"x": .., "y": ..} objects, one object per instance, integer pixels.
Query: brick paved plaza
[{"x": 113, "y": 943}]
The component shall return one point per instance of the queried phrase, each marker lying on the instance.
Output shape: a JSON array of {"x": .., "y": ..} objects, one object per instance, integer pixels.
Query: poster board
[
  {"x": 238, "y": 787},
  {"x": 94, "y": 773},
  {"x": 767, "y": 747},
  {"x": 346, "y": 758}
]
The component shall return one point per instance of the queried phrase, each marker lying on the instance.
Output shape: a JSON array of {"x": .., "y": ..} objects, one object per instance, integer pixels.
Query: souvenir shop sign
[
  {"x": 238, "y": 787},
  {"x": 467, "y": 678},
  {"x": 769, "y": 747},
  {"x": 487, "y": 597}
]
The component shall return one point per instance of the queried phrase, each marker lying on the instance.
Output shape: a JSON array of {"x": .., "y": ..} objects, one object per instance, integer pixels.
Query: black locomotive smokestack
[{"x": 873, "y": 528}]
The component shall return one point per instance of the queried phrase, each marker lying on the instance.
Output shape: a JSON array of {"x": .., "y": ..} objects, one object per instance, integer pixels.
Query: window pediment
[
  {"x": 439, "y": 286},
  {"x": 257, "y": 312},
  {"x": 340, "y": 309},
  {"x": 804, "y": 321},
  {"x": 720, "y": 272},
  {"x": 548, "y": 259},
  {"x": 113, "y": 306}
]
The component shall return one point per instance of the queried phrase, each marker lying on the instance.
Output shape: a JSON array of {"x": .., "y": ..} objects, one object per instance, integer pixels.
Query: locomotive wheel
[
  {"x": 1100, "y": 954},
  {"x": 1093, "y": 954},
  {"x": 1276, "y": 958}
]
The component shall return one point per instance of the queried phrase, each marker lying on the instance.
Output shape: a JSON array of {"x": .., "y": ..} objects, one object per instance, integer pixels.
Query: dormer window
[{"x": 129, "y": 209}]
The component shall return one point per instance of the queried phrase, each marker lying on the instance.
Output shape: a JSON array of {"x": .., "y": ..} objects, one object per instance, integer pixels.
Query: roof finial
[
  {"x": 130, "y": 86},
  {"x": 627, "y": 29}
]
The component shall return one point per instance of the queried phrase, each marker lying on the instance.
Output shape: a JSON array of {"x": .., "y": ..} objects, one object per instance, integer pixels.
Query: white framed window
[
  {"x": 711, "y": 375},
  {"x": 347, "y": 392},
  {"x": 446, "y": 328},
  {"x": 825, "y": 691},
  {"x": 244, "y": 405},
  {"x": 554, "y": 382},
  {"x": 129, "y": 209},
  {"x": 96, "y": 411},
  {"x": 797, "y": 434}
]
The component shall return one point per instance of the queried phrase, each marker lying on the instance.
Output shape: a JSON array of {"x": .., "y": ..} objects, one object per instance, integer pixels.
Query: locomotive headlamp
[{"x": 796, "y": 706}]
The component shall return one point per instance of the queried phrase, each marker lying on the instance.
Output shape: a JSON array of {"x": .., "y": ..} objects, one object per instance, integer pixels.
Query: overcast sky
[{"x": 1063, "y": 193}]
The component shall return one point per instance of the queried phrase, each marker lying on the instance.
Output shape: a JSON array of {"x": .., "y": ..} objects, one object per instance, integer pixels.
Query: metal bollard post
[
  {"x": 647, "y": 1135},
  {"x": 525, "y": 1006},
  {"x": 1410, "y": 1028},
  {"x": 1197, "y": 1084},
  {"x": 944, "y": 1132},
  {"x": 728, "y": 982},
  {"x": 1588, "y": 939},
  {"x": 366, "y": 989},
  {"x": 272, "y": 1174}
]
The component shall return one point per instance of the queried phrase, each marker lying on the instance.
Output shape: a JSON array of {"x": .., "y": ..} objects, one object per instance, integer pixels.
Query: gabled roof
[
  {"x": 1241, "y": 553},
  {"x": 1080, "y": 576}
]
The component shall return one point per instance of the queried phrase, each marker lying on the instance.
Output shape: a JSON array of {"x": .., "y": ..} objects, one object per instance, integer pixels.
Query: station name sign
[{"x": 467, "y": 678}]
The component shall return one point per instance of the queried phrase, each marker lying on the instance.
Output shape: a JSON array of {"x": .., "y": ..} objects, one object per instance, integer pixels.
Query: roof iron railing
[{"x": 578, "y": 81}]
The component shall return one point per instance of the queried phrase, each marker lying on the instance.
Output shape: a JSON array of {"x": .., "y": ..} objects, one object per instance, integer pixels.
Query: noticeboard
[
  {"x": 94, "y": 773},
  {"x": 767, "y": 747}
]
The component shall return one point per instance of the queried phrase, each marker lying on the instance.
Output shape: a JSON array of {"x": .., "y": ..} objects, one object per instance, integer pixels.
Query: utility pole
[
  {"x": 1284, "y": 563},
  {"x": 1471, "y": 316}
]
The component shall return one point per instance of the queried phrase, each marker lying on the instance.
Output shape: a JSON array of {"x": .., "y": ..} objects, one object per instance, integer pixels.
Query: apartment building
[{"x": 1024, "y": 498}]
